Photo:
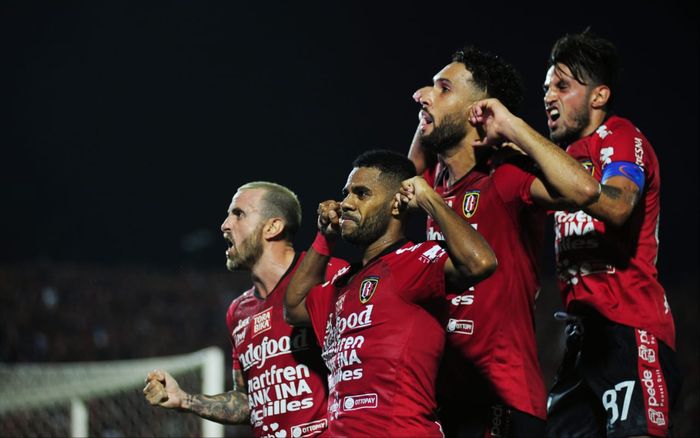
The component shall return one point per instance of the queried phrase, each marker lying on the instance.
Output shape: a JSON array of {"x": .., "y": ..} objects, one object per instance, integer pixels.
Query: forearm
[
  {"x": 469, "y": 252},
  {"x": 562, "y": 172},
  {"x": 230, "y": 407},
  {"x": 616, "y": 202},
  {"x": 418, "y": 155},
  {"x": 311, "y": 272}
]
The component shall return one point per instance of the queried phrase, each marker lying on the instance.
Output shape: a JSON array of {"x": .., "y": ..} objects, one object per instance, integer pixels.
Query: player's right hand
[
  {"x": 329, "y": 218},
  {"x": 163, "y": 390}
]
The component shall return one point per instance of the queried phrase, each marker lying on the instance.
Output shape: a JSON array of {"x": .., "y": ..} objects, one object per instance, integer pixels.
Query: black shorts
[
  {"x": 614, "y": 381},
  {"x": 468, "y": 406},
  {"x": 488, "y": 420}
]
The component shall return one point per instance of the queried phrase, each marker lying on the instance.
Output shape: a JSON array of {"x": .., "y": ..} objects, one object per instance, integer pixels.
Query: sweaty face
[
  {"x": 566, "y": 102},
  {"x": 366, "y": 209},
  {"x": 444, "y": 107},
  {"x": 242, "y": 230}
]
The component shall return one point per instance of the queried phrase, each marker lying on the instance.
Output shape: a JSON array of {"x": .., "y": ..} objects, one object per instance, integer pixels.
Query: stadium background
[{"x": 127, "y": 127}]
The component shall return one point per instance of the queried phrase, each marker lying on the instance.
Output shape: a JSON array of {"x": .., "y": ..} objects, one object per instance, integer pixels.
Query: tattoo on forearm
[
  {"x": 611, "y": 192},
  {"x": 230, "y": 407}
]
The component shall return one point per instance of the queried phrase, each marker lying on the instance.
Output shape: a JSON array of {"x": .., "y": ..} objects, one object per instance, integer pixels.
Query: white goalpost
[{"x": 83, "y": 399}]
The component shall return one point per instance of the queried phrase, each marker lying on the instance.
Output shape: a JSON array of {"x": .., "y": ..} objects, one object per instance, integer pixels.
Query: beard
[
  {"x": 566, "y": 135},
  {"x": 247, "y": 253},
  {"x": 373, "y": 228},
  {"x": 447, "y": 134}
]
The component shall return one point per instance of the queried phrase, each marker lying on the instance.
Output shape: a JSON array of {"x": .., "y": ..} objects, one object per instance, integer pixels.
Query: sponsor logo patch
[
  {"x": 657, "y": 417},
  {"x": 470, "y": 203},
  {"x": 367, "y": 288},
  {"x": 262, "y": 322},
  {"x": 464, "y": 326},
  {"x": 309, "y": 429},
  {"x": 362, "y": 401}
]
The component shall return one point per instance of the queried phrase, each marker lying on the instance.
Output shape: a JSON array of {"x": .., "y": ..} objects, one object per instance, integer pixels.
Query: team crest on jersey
[
  {"x": 471, "y": 202},
  {"x": 588, "y": 165},
  {"x": 367, "y": 288}
]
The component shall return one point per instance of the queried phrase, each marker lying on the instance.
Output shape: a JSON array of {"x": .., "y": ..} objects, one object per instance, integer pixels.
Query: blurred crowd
[{"x": 77, "y": 312}]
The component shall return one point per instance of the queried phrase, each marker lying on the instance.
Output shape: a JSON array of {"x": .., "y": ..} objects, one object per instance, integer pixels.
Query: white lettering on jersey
[
  {"x": 605, "y": 154},
  {"x": 603, "y": 131},
  {"x": 638, "y": 152},
  {"x": 272, "y": 393},
  {"x": 257, "y": 354}
]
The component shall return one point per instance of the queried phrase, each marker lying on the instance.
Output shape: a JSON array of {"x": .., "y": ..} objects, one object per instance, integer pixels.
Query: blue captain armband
[{"x": 624, "y": 168}]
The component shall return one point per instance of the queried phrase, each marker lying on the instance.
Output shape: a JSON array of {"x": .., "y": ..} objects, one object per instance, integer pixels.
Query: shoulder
[
  {"x": 236, "y": 303},
  {"x": 616, "y": 128},
  {"x": 427, "y": 251}
]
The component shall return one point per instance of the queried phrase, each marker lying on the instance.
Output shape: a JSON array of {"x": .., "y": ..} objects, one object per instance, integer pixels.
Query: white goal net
[{"x": 104, "y": 399}]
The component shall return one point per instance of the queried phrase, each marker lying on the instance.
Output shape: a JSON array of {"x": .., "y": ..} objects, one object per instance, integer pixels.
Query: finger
[
  {"x": 156, "y": 375},
  {"x": 155, "y": 393}
]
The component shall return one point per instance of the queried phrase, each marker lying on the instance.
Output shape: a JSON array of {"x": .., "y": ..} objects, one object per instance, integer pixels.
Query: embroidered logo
[
  {"x": 367, "y": 288},
  {"x": 470, "y": 204}
]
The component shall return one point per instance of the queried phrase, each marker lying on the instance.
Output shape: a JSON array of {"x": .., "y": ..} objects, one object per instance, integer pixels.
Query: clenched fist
[{"x": 163, "y": 390}]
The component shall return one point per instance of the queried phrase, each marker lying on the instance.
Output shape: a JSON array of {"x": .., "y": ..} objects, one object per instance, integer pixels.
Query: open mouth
[
  {"x": 553, "y": 114},
  {"x": 425, "y": 118},
  {"x": 229, "y": 243}
]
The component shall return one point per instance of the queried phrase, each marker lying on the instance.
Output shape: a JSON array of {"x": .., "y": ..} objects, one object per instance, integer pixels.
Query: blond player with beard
[{"x": 279, "y": 381}]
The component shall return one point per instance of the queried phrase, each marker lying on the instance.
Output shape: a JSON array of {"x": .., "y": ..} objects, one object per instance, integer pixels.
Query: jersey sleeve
[
  {"x": 231, "y": 323},
  {"x": 429, "y": 175},
  {"x": 513, "y": 180},
  {"x": 319, "y": 302},
  {"x": 623, "y": 142},
  {"x": 422, "y": 271}
]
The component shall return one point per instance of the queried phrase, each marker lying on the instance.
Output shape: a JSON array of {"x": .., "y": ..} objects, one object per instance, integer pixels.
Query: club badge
[
  {"x": 367, "y": 288},
  {"x": 470, "y": 204}
]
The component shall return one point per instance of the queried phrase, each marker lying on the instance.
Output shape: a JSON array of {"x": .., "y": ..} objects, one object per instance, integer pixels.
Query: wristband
[{"x": 322, "y": 244}]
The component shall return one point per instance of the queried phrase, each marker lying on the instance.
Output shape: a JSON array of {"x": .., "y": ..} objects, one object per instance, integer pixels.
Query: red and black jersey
[
  {"x": 613, "y": 269},
  {"x": 383, "y": 336},
  {"x": 491, "y": 325},
  {"x": 281, "y": 364}
]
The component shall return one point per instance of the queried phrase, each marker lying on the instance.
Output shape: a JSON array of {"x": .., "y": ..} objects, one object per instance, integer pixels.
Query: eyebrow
[
  {"x": 355, "y": 189},
  {"x": 443, "y": 80}
]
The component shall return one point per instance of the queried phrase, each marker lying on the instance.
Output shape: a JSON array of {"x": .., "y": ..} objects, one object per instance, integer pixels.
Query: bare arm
[
  {"x": 417, "y": 154},
  {"x": 567, "y": 184},
  {"x": 230, "y": 407},
  {"x": 312, "y": 269},
  {"x": 471, "y": 258}
]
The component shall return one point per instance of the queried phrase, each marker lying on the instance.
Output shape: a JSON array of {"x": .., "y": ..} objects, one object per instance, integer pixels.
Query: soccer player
[
  {"x": 619, "y": 375},
  {"x": 381, "y": 321},
  {"x": 278, "y": 376},
  {"x": 490, "y": 381}
]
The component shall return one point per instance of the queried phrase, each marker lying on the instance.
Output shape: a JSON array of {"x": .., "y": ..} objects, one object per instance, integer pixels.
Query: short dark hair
[
  {"x": 493, "y": 75},
  {"x": 278, "y": 201},
  {"x": 392, "y": 165},
  {"x": 592, "y": 60}
]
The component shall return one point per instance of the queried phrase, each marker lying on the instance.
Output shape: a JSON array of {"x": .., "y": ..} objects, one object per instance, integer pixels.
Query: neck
[
  {"x": 597, "y": 119},
  {"x": 461, "y": 159},
  {"x": 276, "y": 259},
  {"x": 375, "y": 248}
]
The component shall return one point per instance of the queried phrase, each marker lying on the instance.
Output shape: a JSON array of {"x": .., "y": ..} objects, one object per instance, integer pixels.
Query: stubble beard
[
  {"x": 446, "y": 135},
  {"x": 568, "y": 135},
  {"x": 369, "y": 232},
  {"x": 247, "y": 253}
]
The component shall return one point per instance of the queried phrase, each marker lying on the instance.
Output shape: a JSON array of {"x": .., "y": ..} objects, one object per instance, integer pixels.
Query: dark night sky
[{"x": 128, "y": 125}]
